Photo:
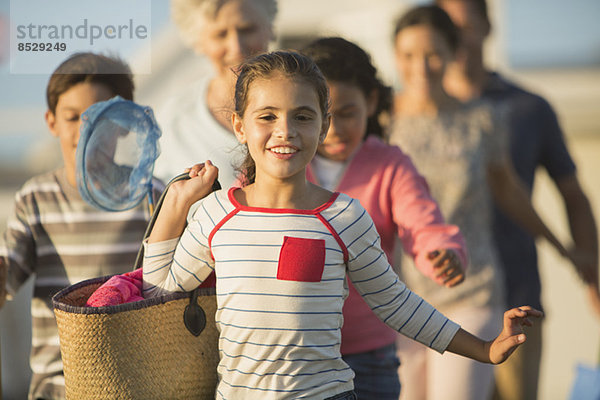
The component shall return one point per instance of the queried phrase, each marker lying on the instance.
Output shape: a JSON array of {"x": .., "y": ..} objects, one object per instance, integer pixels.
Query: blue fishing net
[{"x": 115, "y": 154}]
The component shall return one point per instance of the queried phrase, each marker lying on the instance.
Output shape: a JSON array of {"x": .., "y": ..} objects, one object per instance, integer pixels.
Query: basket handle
[
  {"x": 194, "y": 317},
  {"x": 184, "y": 176}
]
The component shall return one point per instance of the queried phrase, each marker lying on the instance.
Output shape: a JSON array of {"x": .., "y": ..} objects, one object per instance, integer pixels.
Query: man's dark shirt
[{"x": 535, "y": 140}]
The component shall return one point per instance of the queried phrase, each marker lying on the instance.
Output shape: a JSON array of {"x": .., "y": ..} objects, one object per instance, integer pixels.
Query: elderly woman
[{"x": 196, "y": 124}]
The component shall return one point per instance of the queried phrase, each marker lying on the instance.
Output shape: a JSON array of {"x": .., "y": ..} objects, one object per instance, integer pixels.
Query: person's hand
[
  {"x": 594, "y": 298},
  {"x": 512, "y": 335},
  {"x": 448, "y": 270},
  {"x": 586, "y": 265},
  {"x": 202, "y": 177}
]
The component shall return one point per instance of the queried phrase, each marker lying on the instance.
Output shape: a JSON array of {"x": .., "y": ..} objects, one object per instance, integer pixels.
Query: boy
[{"x": 53, "y": 233}]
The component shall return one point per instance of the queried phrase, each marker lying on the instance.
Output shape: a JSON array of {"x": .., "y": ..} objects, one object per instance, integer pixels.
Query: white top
[
  {"x": 281, "y": 284},
  {"x": 452, "y": 150},
  {"x": 328, "y": 172},
  {"x": 190, "y": 135}
]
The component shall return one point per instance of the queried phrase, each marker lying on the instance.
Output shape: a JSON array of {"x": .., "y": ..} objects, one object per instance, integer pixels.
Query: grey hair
[{"x": 185, "y": 15}]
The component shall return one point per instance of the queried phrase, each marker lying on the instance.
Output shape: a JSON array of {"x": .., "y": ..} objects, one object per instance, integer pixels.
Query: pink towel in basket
[
  {"x": 118, "y": 289},
  {"x": 127, "y": 288}
]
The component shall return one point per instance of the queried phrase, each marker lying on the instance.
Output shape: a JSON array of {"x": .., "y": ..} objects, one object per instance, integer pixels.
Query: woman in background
[
  {"x": 196, "y": 124},
  {"x": 462, "y": 152}
]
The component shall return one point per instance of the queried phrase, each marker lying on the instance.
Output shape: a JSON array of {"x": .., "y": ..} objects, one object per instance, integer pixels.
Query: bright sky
[
  {"x": 22, "y": 96},
  {"x": 555, "y": 33},
  {"x": 28, "y": 89},
  {"x": 536, "y": 33}
]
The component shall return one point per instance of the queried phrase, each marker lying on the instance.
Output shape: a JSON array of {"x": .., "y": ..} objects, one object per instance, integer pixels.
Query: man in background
[{"x": 536, "y": 139}]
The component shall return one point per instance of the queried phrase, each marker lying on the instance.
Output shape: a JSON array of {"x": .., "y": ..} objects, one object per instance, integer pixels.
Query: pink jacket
[{"x": 397, "y": 198}]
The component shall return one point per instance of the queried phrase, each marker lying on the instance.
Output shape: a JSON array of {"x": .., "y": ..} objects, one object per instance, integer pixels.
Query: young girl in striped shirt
[{"x": 282, "y": 247}]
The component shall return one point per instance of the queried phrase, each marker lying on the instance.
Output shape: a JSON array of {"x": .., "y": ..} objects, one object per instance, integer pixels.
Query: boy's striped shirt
[{"x": 55, "y": 236}]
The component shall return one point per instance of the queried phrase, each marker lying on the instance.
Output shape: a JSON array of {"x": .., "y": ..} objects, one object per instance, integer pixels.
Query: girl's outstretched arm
[
  {"x": 171, "y": 220},
  {"x": 498, "y": 350}
]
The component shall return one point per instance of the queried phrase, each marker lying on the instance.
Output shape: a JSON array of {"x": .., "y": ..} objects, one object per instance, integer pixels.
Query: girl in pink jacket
[{"x": 354, "y": 160}]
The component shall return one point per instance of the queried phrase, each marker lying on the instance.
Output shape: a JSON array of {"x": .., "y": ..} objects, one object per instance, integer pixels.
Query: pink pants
[{"x": 427, "y": 375}]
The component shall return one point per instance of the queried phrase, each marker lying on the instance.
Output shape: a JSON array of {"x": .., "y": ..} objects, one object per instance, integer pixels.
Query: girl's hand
[
  {"x": 187, "y": 192},
  {"x": 512, "y": 335},
  {"x": 196, "y": 169},
  {"x": 171, "y": 219},
  {"x": 448, "y": 269}
]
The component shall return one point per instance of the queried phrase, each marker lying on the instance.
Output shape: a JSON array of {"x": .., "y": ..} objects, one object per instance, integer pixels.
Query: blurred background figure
[
  {"x": 536, "y": 140},
  {"x": 196, "y": 122},
  {"x": 462, "y": 152}
]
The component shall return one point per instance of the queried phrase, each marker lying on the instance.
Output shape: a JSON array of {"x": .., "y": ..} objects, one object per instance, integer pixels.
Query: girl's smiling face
[
  {"x": 350, "y": 110},
  {"x": 282, "y": 125}
]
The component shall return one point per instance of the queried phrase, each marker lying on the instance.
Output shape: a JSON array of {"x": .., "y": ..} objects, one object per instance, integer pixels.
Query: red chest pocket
[{"x": 301, "y": 260}]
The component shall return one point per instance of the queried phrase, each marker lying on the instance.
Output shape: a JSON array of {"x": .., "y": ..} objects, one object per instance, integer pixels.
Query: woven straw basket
[
  {"x": 163, "y": 348},
  {"x": 139, "y": 350}
]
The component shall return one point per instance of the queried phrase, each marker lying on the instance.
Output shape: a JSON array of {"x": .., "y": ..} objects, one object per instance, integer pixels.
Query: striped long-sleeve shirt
[
  {"x": 281, "y": 285},
  {"x": 54, "y": 235}
]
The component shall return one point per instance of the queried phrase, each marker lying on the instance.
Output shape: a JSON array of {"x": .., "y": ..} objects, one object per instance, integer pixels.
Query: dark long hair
[
  {"x": 434, "y": 17},
  {"x": 343, "y": 61}
]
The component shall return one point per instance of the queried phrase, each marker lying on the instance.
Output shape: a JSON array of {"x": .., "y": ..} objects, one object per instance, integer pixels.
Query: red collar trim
[{"x": 314, "y": 211}]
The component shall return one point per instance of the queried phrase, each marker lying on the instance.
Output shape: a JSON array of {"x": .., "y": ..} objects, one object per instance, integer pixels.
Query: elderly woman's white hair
[{"x": 185, "y": 14}]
